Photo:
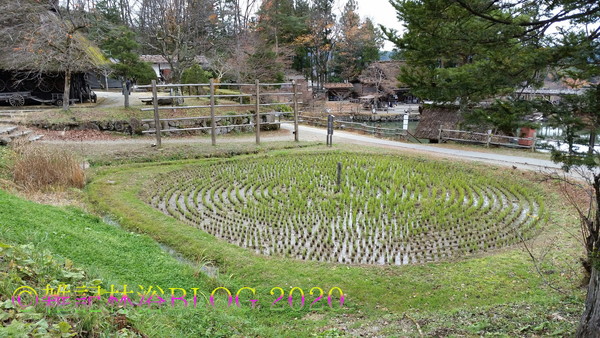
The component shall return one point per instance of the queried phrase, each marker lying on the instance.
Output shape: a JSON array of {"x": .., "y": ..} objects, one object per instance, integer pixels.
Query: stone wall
[{"x": 135, "y": 126}]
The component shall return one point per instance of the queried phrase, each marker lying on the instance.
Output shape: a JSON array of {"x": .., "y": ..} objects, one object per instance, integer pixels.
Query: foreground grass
[
  {"x": 119, "y": 258},
  {"x": 507, "y": 277},
  {"x": 487, "y": 294}
]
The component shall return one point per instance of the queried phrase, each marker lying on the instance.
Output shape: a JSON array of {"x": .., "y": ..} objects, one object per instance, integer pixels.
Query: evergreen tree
[
  {"x": 119, "y": 42},
  {"x": 455, "y": 56}
]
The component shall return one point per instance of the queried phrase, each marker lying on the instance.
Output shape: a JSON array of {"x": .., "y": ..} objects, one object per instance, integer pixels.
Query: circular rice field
[{"x": 387, "y": 209}]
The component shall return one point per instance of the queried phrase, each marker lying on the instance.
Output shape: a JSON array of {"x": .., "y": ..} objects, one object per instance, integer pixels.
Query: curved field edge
[
  {"x": 506, "y": 276},
  {"x": 388, "y": 210}
]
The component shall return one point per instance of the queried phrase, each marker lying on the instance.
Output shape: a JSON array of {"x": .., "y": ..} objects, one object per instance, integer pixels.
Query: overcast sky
[{"x": 381, "y": 12}]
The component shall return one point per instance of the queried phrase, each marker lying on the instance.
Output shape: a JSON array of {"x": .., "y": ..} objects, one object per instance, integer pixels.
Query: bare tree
[{"x": 179, "y": 30}]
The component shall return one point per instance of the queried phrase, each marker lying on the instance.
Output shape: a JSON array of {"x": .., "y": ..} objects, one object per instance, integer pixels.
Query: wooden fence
[
  {"x": 486, "y": 138},
  {"x": 355, "y": 126},
  {"x": 254, "y": 96}
]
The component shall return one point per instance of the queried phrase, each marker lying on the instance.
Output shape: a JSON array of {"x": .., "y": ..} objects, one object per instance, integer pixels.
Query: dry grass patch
[{"x": 36, "y": 167}]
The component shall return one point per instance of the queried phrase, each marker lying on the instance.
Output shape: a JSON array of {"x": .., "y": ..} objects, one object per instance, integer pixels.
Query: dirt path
[
  {"x": 116, "y": 99},
  {"x": 339, "y": 137},
  {"x": 312, "y": 133}
]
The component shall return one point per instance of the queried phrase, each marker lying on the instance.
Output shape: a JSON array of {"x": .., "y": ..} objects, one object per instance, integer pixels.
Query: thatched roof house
[
  {"x": 42, "y": 44},
  {"x": 338, "y": 91},
  {"x": 434, "y": 118},
  {"x": 381, "y": 78},
  {"x": 42, "y": 52}
]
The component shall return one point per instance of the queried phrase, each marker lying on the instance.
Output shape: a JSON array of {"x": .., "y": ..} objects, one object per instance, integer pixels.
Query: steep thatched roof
[
  {"x": 199, "y": 59},
  {"x": 39, "y": 42},
  {"x": 338, "y": 86},
  {"x": 383, "y": 75},
  {"x": 434, "y": 117}
]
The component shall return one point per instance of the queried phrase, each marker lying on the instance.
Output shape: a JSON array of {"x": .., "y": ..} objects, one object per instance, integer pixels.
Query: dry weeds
[{"x": 38, "y": 168}]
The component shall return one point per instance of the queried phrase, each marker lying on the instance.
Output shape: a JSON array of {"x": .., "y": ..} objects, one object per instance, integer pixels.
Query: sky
[{"x": 382, "y": 13}]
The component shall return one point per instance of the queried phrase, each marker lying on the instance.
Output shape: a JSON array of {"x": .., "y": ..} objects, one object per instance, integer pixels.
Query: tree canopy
[
  {"x": 453, "y": 55},
  {"x": 468, "y": 51}
]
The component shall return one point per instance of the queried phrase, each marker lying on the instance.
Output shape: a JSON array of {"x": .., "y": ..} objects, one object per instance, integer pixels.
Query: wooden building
[
  {"x": 162, "y": 67},
  {"x": 338, "y": 91},
  {"x": 33, "y": 71},
  {"x": 380, "y": 80},
  {"x": 19, "y": 88}
]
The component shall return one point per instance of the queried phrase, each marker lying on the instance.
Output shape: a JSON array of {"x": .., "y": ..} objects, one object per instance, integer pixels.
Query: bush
[
  {"x": 144, "y": 73},
  {"x": 195, "y": 74},
  {"x": 37, "y": 167}
]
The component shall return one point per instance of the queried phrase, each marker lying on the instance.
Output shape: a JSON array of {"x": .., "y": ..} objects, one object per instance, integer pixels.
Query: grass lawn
[{"x": 498, "y": 292}]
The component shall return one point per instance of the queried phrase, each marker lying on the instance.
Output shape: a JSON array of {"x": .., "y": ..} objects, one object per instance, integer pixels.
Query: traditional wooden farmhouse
[
  {"x": 162, "y": 68},
  {"x": 380, "y": 81},
  {"x": 338, "y": 91},
  {"x": 32, "y": 71}
]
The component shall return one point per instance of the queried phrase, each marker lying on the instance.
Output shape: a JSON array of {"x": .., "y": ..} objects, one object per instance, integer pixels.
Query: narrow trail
[{"x": 491, "y": 158}]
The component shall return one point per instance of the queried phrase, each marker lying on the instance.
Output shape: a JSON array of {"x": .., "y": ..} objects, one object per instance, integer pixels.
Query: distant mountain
[{"x": 385, "y": 55}]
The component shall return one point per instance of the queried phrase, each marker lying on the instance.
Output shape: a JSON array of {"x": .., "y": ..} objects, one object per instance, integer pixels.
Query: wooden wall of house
[{"x": 44, "y": 85}]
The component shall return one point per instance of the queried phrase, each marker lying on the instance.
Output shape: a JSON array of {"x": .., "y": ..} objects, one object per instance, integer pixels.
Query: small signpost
[{"x": 330, "y": 130}]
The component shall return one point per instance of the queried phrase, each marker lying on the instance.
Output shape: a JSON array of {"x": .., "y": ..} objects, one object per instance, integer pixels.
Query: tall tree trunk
[
  {"x": 67, "y": 91},
  {"x": 589, "y": 326}
]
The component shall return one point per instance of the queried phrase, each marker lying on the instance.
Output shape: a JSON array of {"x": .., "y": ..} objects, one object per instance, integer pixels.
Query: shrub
[
  {"x": 37, "y": 167},
  {"x": 195, "y": 74}
]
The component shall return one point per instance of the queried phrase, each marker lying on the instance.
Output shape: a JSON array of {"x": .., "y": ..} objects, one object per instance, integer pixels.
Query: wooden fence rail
[
  {"x": 486, "y": 138},
  {"x": 256, "y": 122},
  {"x": 356, "y": 126}
]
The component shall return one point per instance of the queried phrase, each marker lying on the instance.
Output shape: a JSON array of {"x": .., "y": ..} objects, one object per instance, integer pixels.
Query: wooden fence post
[
  {"x": 125, "y": 94},
  {"x": 339, "y": 176},
  {"x": 489, "y": 138},
  {"x": 257, "y": 112},
  {"x": 440, "y": 134},
  {"x": 213, "y": 123},
  {"x": 156, "y": 116},
  {"x": 295, "y": 110}
]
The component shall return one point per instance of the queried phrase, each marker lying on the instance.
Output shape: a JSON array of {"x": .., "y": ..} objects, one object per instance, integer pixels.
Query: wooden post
[
  {"x": 489, "y": 138},
  {"x": 533, "y": 144},
  {"x": 105, "y": 81},
  {"x": 125, "y": 95},
  {"x": 257, "y": 107},
  {"x": 440, "y": 134},
  {"x": 213, "y": 123},
  {"x": 156, "y": 117},
  {"x": 339, "y": 175},
  {"x": 295, "y": 110}
]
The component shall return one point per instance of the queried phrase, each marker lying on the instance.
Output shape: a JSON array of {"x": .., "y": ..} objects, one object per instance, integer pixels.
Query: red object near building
[{"x": 526, "y": 132}]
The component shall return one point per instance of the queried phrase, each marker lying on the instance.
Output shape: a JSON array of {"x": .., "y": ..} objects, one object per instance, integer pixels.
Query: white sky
[{"x": 382, "y": 13}]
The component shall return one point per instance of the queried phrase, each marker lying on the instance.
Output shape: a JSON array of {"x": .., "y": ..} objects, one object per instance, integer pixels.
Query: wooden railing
[
  {"x": 486, "y": 138},
  {"x": 355, "y": 126},
  {"x": 255, "y": 96}
]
